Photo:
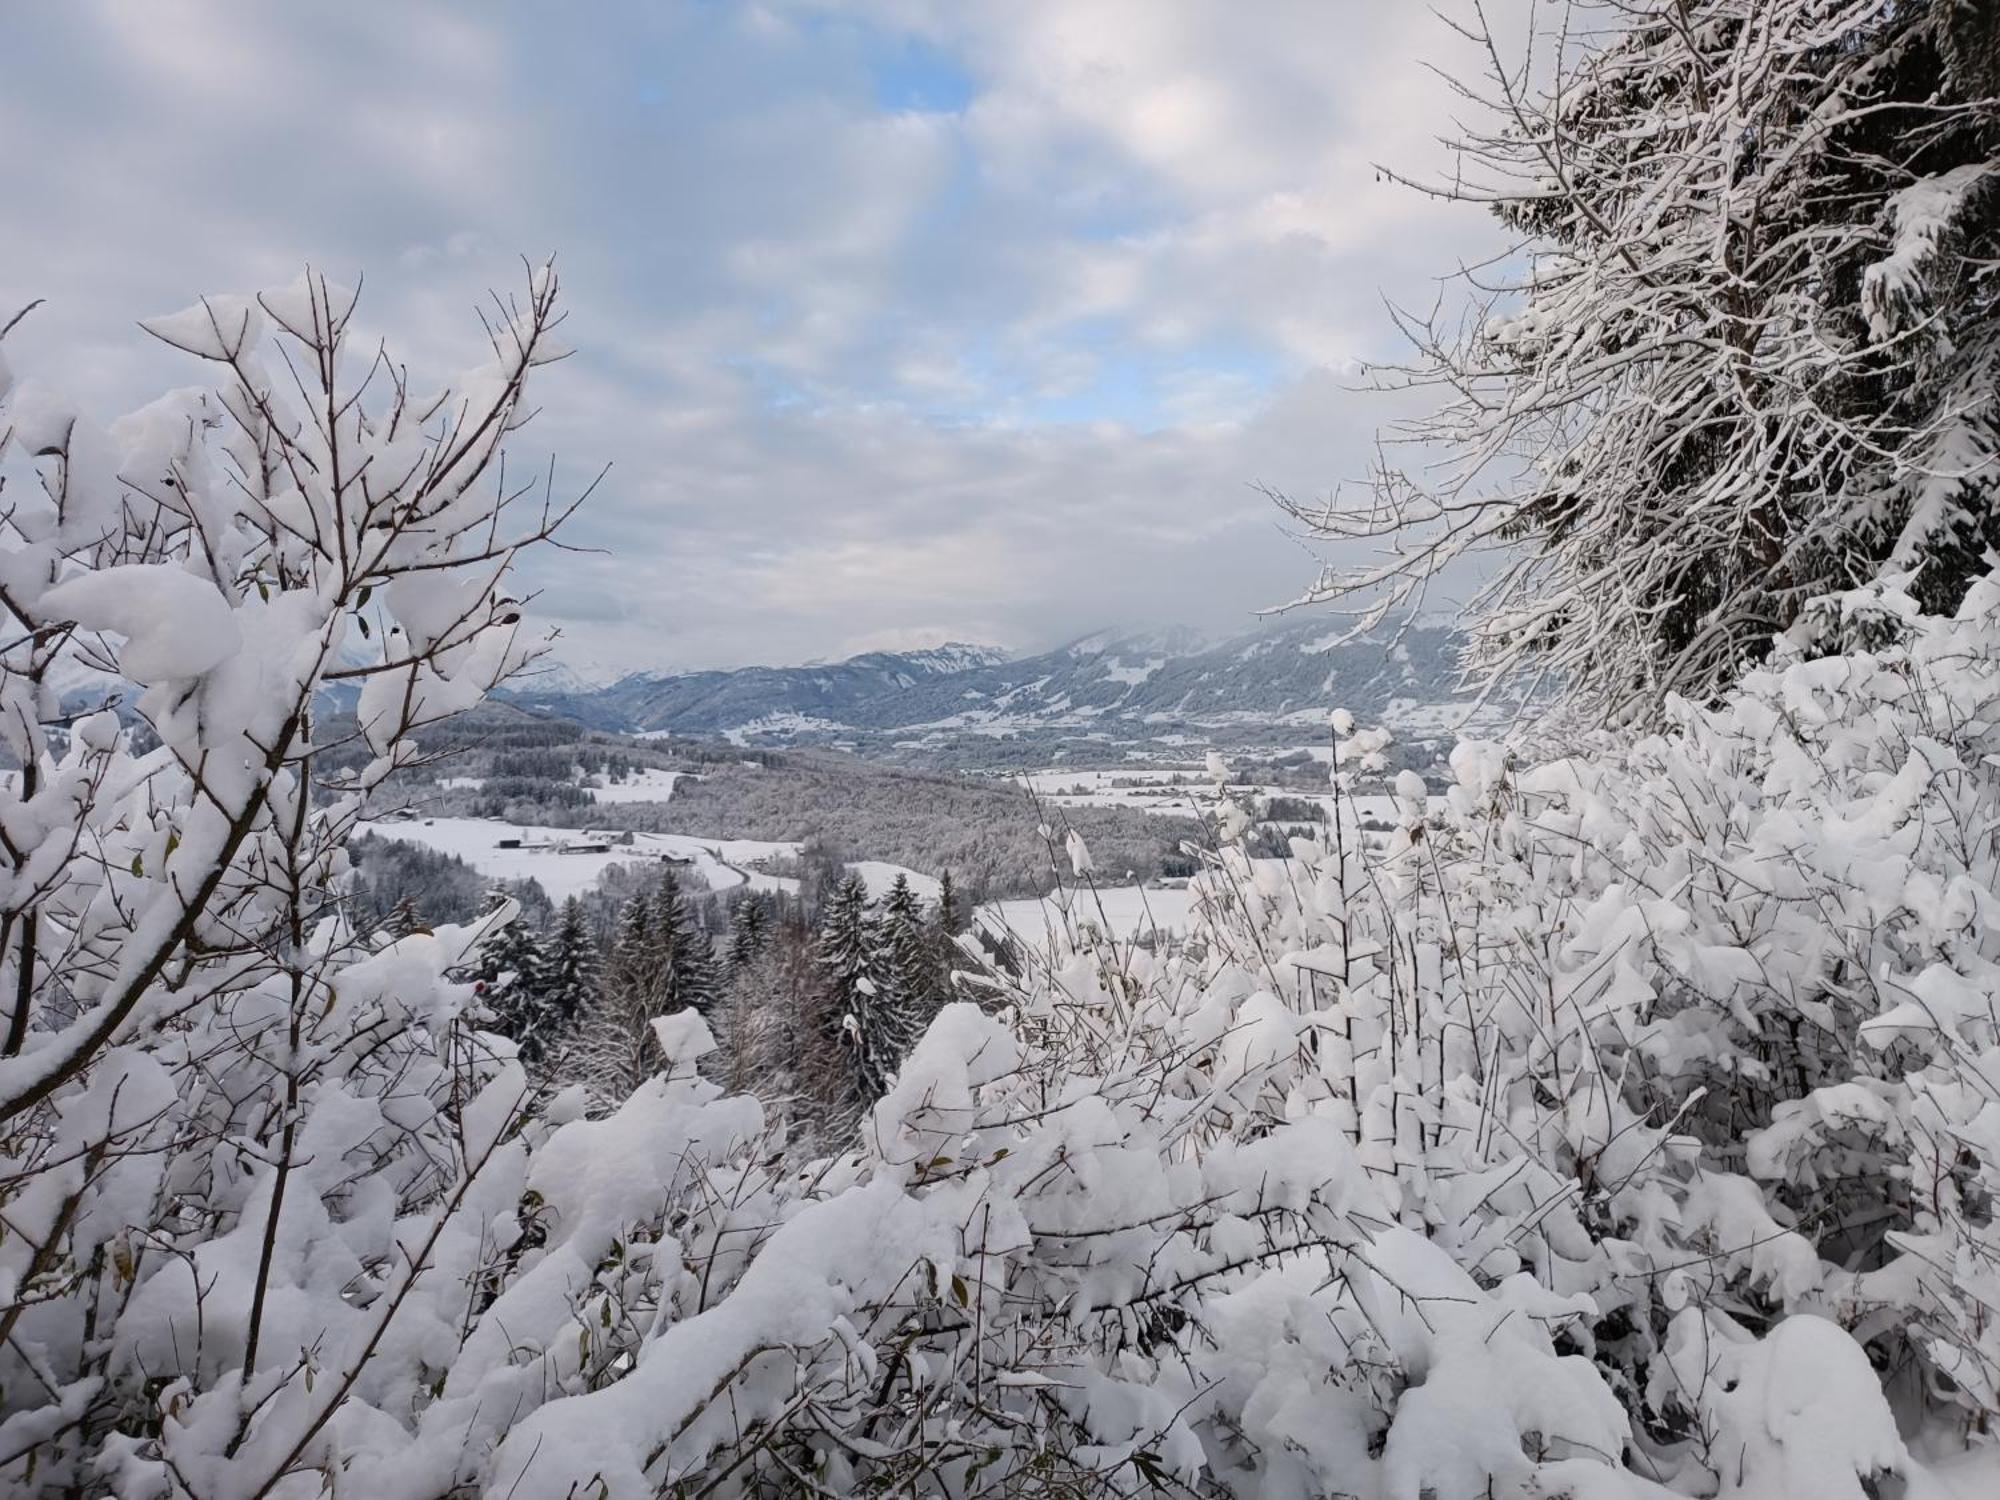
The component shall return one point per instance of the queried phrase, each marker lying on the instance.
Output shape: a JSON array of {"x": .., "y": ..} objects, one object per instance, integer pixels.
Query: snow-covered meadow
[{"x": 569, "y": 861}]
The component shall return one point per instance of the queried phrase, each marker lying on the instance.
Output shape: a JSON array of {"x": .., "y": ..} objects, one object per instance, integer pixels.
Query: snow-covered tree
[
  {"x": 242, "y": 1155},
  {"x": 403, "y": 920},
  {"x": 659, "y": 963},
  {"x": 847, "y": 950},
  {"x": 749, "y": 933},
  {"x": 683, "y": 958},
  {"x": 511, "y": 972},
  {"x": 915, "y": 984},
  {"x": 571, "y": 975},
  {"x": 950, "y": 915},
  {"x": 1750, "y": 353}
]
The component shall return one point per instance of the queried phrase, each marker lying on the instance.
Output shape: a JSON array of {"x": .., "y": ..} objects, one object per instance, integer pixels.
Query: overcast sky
[{"x": 899, "y": 320}]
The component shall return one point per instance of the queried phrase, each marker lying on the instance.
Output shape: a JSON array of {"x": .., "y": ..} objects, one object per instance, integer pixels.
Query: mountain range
[{"x": 1151, "y": 684}]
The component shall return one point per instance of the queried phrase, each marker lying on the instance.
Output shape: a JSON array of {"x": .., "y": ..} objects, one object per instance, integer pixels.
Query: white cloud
[{"x": 867, "y": 372}]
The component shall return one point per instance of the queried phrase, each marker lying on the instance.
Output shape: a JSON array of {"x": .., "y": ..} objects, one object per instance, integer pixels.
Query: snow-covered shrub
[
  {"x": 251, "y": 1170},
  {"x": 1618, "y": 1126},
  {"x": 1693, "y": 1035}
]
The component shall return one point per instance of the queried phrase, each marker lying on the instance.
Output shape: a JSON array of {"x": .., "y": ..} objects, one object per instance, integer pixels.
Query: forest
[{"x": 1622, "y": 1123}]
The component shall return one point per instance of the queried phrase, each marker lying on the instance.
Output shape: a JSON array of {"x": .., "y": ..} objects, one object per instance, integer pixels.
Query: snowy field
[
  {"x": 880, "y": 876},
  {"x": 647, "y": 784},
  {"x": 1129, "y": 910},
  {"x": 1156, "y": 791},
  {"x": 1152, "y": 790},
  {"x": 720, "y": 864}
]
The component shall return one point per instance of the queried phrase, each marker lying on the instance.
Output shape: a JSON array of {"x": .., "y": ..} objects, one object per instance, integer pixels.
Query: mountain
[
  {"x": 550, "y": 677},
  {"x": 820, "y": 693},
  {"x": 952, "y": 656},
  {"x": 1154, "y": 684}
]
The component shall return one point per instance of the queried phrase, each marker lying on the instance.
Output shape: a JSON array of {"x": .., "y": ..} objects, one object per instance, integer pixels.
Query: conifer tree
[
  {"x": 947, "y": 920},
  {"x": 912, "y": 976},
  {"x": 403, "y": 920},
  {"x": 949, "y": 915},
  {"x": 660, "y": 962},
  {"x": 1745, "y": 356},
  {"x": 628, "y": 966},
  {"x": 683, "y": 962},
  {"x": 846, "y": 952},
  {"x": 749, "y": 934},
  {"x": 512, "y": 969},
  {"x": 571, "y": 978},
  {"x": 614, "y": 1047}
]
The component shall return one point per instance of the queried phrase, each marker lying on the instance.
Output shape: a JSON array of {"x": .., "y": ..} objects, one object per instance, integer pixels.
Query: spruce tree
[
  {"x": 660, "y": 962},
  {"x": 513, "y": 972},
  {"x": 912, "y": 980},
  {"x": 846, "y": 952},
  {"x": 683, "y": 959},
  {"x": 948, "y": 916},
  {"x": 1742, "y": 358},
  {"x": 613, "y": 1050},
  {"x": 948, "y": 919},
  {"x": 571, "y": 978},
  {"x": 749, "y": 934},
  {"x": 403, "y": 920}
]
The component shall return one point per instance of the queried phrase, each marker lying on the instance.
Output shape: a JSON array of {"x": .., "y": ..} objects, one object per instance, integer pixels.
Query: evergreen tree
[
  {"x": 949, "y": 917},
  {"x": 628, "y": 967},
  {"x": 571, "y": 978},
  {"x": 749, "y": 933},
  {"x": 613, "y": 1051},
  {"x": 404, "y": 920},
  {"x": 683, "y": 961},
  {"x": 1748, "y": 358},
  {"x": 512, "y": 970},
  {"x": 909, "y": 962},
  {"x": 845, "y": 949},
  {"x": 660, "y": 962}
]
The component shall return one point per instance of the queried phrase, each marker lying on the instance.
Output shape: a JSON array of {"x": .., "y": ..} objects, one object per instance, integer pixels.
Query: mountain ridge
[{"x": 1286, "y": 673}]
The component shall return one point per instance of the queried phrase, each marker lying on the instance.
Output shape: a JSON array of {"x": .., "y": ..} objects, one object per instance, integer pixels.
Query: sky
[{"x": 898, "y": 321}]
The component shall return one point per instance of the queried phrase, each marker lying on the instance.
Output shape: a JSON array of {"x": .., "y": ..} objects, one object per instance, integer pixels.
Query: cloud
[{"x": 898, "y": 319}]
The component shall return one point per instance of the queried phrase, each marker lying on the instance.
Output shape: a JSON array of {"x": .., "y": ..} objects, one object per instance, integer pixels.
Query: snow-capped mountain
[
  {"x": 1294, "y": 671},
  {"x": 715, "y": 701},
  {"x": 954, "y": 656},
  {"x": 553, "y": 676}
]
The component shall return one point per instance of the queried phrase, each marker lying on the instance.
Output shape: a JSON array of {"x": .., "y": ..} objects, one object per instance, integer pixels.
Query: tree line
[{"x": 814, "y": 999}]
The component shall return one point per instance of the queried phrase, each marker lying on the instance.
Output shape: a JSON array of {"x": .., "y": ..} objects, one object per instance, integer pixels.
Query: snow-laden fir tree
[
  {"x": 659, "y": 963},
  {"x": 857, "y": 1009},
  {"x": 749, "y": 933},
  {"x": 683, "y": 959},
  {"x": 570, "y": 976},
  {"x": 512, "y": 972},
  {"x": 403, "y": 920},
  {"x": 914, "y": 981},
  {"x": 1750, "y": 354}
]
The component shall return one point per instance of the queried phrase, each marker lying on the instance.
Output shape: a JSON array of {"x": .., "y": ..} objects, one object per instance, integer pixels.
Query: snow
[
  {"x": 1133, "y": 676},
  {"x": 1128, "y": 910},
  {"x": 175, "y": 624},
  {"x": 721, "y": 863},
  {"x": 648, "y": 784},
  {"x": 1924, "y": 214},
  {"x": 879, "y": 876}
]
